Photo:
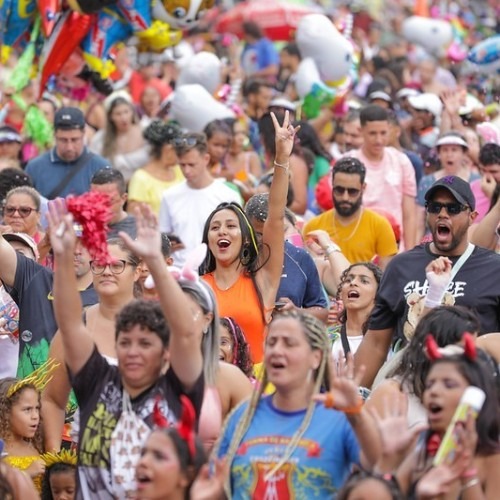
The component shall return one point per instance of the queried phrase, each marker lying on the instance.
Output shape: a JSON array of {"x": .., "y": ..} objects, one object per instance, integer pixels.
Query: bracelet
[
  {"x": 471, "y": 483},
  {"x": 284, "y": 166},
  {"x": 350, "y": 410},
  {"x": 331, "y": 248},
  {"x": 469, "y": 473}
]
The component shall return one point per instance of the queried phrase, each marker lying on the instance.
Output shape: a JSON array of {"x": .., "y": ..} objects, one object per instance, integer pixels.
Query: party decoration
[
  {"x": 486, "y": 55},
  {"x": 329, "y": 65},
  {"x": 38, "y": 378},
  {"x": 195, "y": 97},
  {"x": 434, "y": 35},
  {"x": 203, "y": 68},
  {"x": 92, "y": 211},
  {"x": 96, "y": 27}
]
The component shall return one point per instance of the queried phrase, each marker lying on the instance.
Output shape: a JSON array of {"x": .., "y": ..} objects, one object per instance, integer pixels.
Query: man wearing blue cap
[
  {"x": 471, "y": 279},
  {"x": 69, "y": 166}
]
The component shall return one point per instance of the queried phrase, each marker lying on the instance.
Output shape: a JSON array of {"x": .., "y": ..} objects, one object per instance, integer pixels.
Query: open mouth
[
  {"x": 435, "y": 409},
  {"x": 353, "y": 294},
  {"x": 223, "y": 243},
  {"x": 277, "y": 365},
  {"x": 443, "y": 231},
  {"x": 143, "y": 479}
]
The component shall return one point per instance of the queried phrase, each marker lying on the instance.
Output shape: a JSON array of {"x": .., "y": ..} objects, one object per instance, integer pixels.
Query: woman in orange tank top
[{"x": 243, "y": 274}]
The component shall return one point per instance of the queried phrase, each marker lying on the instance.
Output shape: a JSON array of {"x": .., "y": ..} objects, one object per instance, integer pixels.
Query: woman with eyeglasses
[
  {"x": 21, "y": 212},
  {"x": 147, "y": 335},
  {"x": 243, "y": 272},
  {"x": 115, "y": 285},
  {"x": 148, "y": 183}
]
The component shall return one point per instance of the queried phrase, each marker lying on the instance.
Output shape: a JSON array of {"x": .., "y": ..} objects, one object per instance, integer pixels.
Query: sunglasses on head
[
  {"x": 22, "y": 211},
  {"x": 434, "y": 207},
  {"x": 340, "y": 190},
  {"x": 189, "y": 141}
]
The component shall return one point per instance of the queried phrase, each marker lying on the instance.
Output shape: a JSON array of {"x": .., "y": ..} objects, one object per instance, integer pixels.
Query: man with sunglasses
[
  {"x": 473, "y": 282},
  {"x": 30, "y": 285},
  {"x": 360, "y": 233},
  {"x": 185, "y": 207},
  {"x": 68, "y": 167}
]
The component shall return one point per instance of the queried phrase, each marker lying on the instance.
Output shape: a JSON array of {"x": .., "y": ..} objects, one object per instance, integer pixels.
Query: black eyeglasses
[
  {"x": 340, "y": 190},
  {"x": 22, "y": 211},
  {"x": 116, "y": 267},
  {"x": 434, "y": 207}
]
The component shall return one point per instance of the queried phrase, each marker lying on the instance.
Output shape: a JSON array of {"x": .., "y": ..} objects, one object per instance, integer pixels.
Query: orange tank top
[{"x": 241, "y": 302}]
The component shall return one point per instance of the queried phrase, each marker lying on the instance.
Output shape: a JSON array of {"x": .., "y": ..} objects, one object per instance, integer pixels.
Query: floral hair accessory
[
  {"x": 434, "y": 352},
  {"x": 92, "y": 211},
  {"x": 62, "y": 457},
  {"x": 188, "y": 272},
  {"x": 39, "y": 378}
]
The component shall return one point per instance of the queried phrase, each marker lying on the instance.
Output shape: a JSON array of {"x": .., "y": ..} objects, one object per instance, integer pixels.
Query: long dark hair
[
  {"x": 446, "y": 324},
  {"x": 249, "y": 252}
]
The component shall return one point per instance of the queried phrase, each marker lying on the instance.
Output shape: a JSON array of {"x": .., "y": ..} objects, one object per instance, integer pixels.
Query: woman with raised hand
[
  {"x": 114, "y": 285},
  {"x": 108, "y": 395},
  {"x": 298, "y": 442},
  {"x": 244, "y": 274}
]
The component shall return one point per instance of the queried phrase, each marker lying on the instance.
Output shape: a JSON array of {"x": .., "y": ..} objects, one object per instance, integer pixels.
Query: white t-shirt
[
  {"x": 184, "y": 211},
  {"x": 338, "y": 349}
]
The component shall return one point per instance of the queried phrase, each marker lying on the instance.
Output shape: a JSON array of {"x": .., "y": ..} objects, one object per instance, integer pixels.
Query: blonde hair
[{"x": 315, "y": 333}]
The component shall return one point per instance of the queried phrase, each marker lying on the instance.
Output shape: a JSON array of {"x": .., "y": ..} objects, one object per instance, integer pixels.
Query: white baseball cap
[{"x": 427, "y": 102}]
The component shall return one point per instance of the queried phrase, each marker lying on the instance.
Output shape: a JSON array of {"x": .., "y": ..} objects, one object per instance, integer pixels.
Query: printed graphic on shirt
[{"x": 299, "y": 478}]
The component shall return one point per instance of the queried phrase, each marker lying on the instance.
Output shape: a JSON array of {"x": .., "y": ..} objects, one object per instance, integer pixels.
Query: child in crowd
[
  {"x": 59, "y": 480},
  {"x": 20, "y": 421},
  {"x": 234, "y": 348}
]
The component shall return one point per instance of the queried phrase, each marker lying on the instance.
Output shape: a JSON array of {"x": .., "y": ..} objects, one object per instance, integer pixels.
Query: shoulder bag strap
[
  {"x": 79, "y": 164},
  {"x": 345, "y": 340}
]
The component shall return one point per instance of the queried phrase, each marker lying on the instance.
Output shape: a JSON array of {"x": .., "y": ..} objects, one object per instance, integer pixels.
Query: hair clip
[{"x": 38, "y": 379}]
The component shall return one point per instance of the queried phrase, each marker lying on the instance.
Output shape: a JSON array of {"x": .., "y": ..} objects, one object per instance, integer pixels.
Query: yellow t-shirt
[
  {"x": 145, "y": 188},
  {"x": 362, "y": 239}
]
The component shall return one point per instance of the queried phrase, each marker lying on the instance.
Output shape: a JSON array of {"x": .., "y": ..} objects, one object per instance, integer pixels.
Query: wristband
[
  {"x": 331, "y": 248},
  {"x": 284, "y": 166},
  {"x": 471, "y": 483}
]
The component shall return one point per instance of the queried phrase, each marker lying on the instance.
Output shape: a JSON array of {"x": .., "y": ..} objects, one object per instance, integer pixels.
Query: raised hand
[
  {"x": 61, "y": 232},
  {"x": 344, "y": 386},
  {"x": 284, "y": 137},
  {"x": 395, "y": 435},
  {"x": 148, "y": 242}
]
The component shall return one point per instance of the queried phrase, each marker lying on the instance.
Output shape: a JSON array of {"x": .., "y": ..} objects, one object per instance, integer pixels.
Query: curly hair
[
  {"x": 57, "y": 468},
  {"x": 146, "y": 314},
  {"x": 241, "y": 350},
  {"x": 6, "y": 404},
  {"x": 158, "y": 133},
  {"x": 377, "y": 274}
]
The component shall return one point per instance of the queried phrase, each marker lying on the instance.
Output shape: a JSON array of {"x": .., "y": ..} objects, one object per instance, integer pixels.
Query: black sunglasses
[
  {"x": 340, "y": 190},
  {"x": 434, "y": 207}
]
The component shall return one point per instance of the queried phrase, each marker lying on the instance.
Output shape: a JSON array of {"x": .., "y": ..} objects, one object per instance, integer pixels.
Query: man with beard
[
  {"x": 473, "y": 282},
  {"x": 360, "y": 233}
]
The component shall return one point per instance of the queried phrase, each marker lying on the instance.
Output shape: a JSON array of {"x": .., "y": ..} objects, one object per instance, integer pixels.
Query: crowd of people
[{"x": 289, "y": 305}]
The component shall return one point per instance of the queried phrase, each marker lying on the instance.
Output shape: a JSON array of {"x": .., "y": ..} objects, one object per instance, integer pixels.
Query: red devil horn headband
[
  {"x": 432, "y": 348},
  {"x": 470, "y": 351}
]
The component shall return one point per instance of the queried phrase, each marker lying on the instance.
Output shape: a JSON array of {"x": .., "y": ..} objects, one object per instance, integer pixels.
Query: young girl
[
  {"x": 59, "y": 480},
  {"x": 20, "y": 423},
  {"x": 234, "y": 348},
  {"x": 219, "y": 137}
]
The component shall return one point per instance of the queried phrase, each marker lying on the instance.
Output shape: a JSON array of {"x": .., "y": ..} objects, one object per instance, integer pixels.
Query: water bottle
[{"x": 9, "y": 314}]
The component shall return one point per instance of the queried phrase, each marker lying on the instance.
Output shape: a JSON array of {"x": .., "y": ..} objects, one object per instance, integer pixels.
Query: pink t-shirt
[
  {"x": 482, "y": 201},
  {"x": 388, "y": 181}
]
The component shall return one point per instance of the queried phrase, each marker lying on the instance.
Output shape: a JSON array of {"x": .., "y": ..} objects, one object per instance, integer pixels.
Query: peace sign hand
[{"x": 284, "y": 137}]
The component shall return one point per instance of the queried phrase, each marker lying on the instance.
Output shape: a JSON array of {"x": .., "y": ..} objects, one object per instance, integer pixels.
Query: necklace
[{"x": 353, "y": 232}]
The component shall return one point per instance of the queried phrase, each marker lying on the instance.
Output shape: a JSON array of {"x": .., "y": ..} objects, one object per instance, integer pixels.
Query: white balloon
[
  {"x": 180, "y": 53},
  {"x": 319, "y": 39},
  {"x": 306, "y": 76},
  {"x": 434, "y": 35},
  {"x": 194, "y": 107},
  {"x": 203, "y": 68}
]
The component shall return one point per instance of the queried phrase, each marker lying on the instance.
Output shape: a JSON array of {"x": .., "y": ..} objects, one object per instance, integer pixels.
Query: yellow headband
[
  {"x": 38, "y": 379},
  {"x": 63, "y": 457},
  {"x": 250, "y": 227}
]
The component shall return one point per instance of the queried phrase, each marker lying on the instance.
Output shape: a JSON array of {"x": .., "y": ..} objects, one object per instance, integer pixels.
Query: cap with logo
[
  {"x": 457, "y": 187},
  {"x": 9, "y": 134},
  {"x": 69, "y": 118}
]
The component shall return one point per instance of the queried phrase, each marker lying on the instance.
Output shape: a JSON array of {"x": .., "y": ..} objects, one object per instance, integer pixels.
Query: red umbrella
[{"x": 278, "y": 19}]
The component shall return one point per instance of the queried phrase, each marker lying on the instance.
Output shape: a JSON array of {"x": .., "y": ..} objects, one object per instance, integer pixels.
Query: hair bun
[{"x": 158, "y": 132}]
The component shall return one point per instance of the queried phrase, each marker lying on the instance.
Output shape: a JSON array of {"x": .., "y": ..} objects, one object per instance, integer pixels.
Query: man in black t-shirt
[{"x": 450, "y": 207}]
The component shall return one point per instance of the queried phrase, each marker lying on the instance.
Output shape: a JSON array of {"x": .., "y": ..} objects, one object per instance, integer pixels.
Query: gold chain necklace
[{"x": 353, "y": 232}]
